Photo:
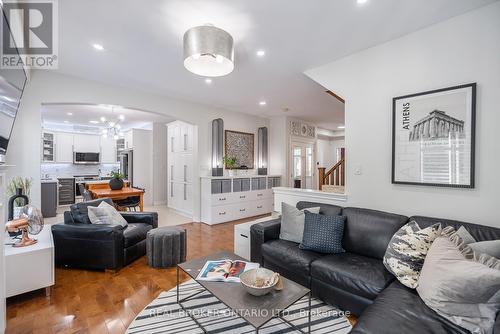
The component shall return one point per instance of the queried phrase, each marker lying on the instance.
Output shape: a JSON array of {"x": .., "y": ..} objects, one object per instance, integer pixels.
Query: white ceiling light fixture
[
  {"x": 262, "y": 103},
  {"x": 341, "y": 127},
  {"x": 208, "y": 81},
  {"x": 208, "y": 51},
  {"x": 361, "y": 2},
  {"x": 98, "y": 47},
  {"x": 69, "y": 113},
  {"x": 103, "y": 119},
  {"x": 94, "y": 122},
  {"x": 121, "y": 117},
  {"x": 114, "y": 129},
  {"x": 261, "y": 53}
]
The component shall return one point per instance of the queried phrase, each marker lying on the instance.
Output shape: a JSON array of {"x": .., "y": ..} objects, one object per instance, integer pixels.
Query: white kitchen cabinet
[
  {"x": 180, "y": 136},
  {"x": 48, "y": 146},
  {"x": 64, "y": 147},
  {"x": 108, "y": 150},
  {"x": 87, "y": 143},
  {"x": 129, "y": 139}
]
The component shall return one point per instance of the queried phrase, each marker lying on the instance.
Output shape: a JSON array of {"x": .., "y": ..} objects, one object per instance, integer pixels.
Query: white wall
[
  {"x": 327, "y": 151},
  {"x": 278, "y": 147},
  {"x": 143, "y": 163},
  {"x": 160, "y": 164},
  {"x": 49, "y": 87},
  {"x": 461, "y": 50}
]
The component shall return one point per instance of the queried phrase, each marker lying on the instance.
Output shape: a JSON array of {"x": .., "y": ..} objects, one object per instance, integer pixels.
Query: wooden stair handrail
[{"x": 334, "y": 176}]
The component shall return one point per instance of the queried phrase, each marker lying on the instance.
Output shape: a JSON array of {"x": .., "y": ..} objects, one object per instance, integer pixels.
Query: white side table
[
  {"x": 32, "y": 267},
  {"x": 242, "y": 236}
]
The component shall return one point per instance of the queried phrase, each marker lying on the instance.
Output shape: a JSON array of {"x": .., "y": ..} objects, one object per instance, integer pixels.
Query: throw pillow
[
  {"x": 292, "y": 222},
  {"x": 106, "y": 214},
  {"x": 490, "y": 247},
  {"x": 459, "y": 284},
  {"x": 323, "y": 234},
  {"x": 406, "y": 251}
]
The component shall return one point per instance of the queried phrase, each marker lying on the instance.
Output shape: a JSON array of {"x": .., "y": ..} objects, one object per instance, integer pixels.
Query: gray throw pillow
[
  {"x": 490, "y": 247},
  {"x": 292, "y": 222},
  {"x": 322, "y": 233},
  {"x": 406, "y": 251},
  {"x": 106, "y": 214},
  {"x": 459, "y": 284}
]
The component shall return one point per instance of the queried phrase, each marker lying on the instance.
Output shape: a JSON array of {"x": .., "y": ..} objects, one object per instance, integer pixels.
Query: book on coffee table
[{"x": 224, "y": 270}]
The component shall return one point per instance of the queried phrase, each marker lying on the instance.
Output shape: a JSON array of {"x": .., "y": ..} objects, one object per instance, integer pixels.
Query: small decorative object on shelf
[
  {"x": 30, "y": 221},
  {"x": 116, "y": 183},
  {"x": 230, "y": 163}
]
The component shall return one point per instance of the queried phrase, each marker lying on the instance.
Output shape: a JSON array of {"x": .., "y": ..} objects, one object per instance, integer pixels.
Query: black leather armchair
[{"x": 78, "y": 243}]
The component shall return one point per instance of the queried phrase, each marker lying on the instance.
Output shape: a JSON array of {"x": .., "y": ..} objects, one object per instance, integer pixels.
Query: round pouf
[{"x": 166, "y": 246}]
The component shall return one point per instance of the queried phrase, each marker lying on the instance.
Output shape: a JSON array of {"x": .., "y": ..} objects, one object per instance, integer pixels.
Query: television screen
[{"x": 12, "y": 81}]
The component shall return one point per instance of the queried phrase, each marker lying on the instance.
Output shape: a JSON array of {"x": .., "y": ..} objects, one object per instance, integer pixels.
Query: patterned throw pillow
[
  {"x": 106, "y": 214},
  {"x": 406, "y": 251},
  {"x": 322, "y": 233}
]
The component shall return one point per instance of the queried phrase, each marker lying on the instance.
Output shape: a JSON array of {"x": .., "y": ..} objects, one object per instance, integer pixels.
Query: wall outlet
[{"x": 357, "y": 169}]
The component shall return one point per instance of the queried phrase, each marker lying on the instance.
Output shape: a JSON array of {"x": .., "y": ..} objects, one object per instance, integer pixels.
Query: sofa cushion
[
  {"x": 80, "y": 211},
  {"x": 322, "y": 233},
  {"x": 399, "y": 309},
  {"x": 135, "y": 233},
  {"x": 368, "y": 232},
  {"x": 288, "y": 253},
  {"x": 324, "y": 209},
  {"x": 292, "y": 222},
  {"x": 358, "y": 274}
]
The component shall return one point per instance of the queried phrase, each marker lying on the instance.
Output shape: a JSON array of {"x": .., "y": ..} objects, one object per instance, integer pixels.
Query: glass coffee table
[{"x": 256, "y": 311}]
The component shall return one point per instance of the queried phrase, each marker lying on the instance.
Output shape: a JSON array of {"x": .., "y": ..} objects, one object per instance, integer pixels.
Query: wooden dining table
[{"x": 123, "y": 193}]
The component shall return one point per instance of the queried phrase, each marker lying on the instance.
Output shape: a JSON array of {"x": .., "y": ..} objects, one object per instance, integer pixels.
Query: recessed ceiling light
[
  {"x": 261, "y": 53},
  {"x": 361, "y": 2},
  {"x": 103, "y": 119},
  {"x": 66, "y": 122},
  {"x": 262, "y": 103},
  {"x": 98, "y": 47},
  {"x": 208, "y": 81},
  {"x": 121, "y": 117},
  {"x": 341, "y": 127},
  {"x": 94, "y": 122},
  {"x": 69, "y": 113}
]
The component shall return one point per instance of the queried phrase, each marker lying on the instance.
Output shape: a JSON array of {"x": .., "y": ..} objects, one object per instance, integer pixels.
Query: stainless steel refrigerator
[{"x": 127, "y": 165}]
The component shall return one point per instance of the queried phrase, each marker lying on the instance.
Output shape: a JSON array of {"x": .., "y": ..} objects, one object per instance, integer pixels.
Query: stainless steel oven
[{"x": 86, "y": 158}]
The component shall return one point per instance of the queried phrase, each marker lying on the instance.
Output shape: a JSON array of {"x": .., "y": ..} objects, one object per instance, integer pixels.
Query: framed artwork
[
  {"x": 433, "y": 137},
  {"x": 240, "y": 146}
]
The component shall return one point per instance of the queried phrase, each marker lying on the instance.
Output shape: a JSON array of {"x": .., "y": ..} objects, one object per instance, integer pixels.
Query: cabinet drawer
[
  {"x": 242, "y": 244},
  {"x": 221, "y": 214},
  {"x": 262, "y": 207},
  {"x": 261, "y": 194}
]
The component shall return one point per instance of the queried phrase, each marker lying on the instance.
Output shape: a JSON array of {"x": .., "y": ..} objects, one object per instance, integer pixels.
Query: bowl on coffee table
[{"x": 260, "y": 281}]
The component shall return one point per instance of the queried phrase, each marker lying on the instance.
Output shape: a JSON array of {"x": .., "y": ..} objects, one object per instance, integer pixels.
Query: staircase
[{"x": 334, "y": 178}]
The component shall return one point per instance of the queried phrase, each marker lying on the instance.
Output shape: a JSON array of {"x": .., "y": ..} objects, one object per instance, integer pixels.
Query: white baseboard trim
[{"x": 159, "y": 203}]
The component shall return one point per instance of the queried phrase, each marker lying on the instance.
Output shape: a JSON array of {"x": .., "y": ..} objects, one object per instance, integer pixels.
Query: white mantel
[{"x": 293, "y": 195}]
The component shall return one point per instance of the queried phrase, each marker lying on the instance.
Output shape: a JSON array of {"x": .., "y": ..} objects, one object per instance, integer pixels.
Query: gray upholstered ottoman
[{"x": 166, "y": 246}]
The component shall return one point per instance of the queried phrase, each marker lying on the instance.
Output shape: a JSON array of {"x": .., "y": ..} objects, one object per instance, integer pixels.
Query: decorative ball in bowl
[{"x": 260, "y": 281}]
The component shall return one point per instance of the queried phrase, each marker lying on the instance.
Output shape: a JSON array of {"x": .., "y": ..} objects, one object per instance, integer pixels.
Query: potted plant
[
  {"x": 116, "y": 183},
  {"x": 230, "y": 163}
]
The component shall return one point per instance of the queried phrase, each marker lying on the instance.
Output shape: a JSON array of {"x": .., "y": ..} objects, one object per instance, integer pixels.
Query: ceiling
[
  {"x": 143, "y": 46},
  {"x": 83, "y": 117}
]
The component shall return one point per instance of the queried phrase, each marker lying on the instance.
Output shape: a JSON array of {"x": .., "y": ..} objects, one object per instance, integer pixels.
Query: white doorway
[{"x": 302, "y": 162}]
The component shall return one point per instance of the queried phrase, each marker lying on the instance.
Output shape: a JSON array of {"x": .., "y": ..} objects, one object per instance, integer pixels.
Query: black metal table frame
[{"x": 279, "y": 316}]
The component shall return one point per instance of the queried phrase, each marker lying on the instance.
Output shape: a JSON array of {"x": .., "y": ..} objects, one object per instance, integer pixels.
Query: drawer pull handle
[
  {"x": 222, "y": 213},
  {"x": 259, "y": 194},
  {"x": 222, "y": 199},
  {"x": 242, "y": 196},
  {"x": 244, "y": 236},
  {"x": 259, "y": 207},
  {"x": 242, "y": 210}
]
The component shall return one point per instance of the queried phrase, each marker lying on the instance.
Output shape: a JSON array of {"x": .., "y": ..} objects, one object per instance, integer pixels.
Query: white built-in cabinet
[
  {"x": 64, "y": 147},
  {"x": 108, "y": 150},
  {"x": 181, "y": 137},
  {"x": 59, "y": 146},
  {"x": 129, "y": 139},
  {"x": 87, "y": 143}
]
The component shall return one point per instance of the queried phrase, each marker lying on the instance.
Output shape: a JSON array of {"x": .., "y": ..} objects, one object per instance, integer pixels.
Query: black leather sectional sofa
[
  {"x": 357, "y": 280},
  {"x": 78, "y": 243}
]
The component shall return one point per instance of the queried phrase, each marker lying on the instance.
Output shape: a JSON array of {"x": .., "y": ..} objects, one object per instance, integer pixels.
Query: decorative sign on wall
[
  {"x": 433, "y": 137},
  {"x": 300, "y": 129},
  {"x": 240, "y": 146}
]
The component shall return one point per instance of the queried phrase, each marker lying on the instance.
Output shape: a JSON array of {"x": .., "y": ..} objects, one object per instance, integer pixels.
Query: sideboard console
[{"x": 225, "y": 199}]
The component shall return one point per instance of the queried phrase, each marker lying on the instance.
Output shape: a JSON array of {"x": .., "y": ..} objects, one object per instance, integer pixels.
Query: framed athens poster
[
  {"x": 433, "y": 137},
  {"x": 239, "y": 145}
]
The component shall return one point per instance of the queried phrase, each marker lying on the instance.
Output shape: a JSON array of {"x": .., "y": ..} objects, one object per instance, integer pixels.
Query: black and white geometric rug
[{"x": 164, "y": 315}]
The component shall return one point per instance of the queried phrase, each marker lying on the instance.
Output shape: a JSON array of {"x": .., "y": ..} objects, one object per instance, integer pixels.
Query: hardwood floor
[{"x": 84, "y": 301}]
